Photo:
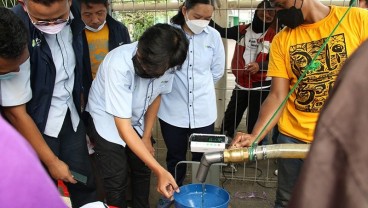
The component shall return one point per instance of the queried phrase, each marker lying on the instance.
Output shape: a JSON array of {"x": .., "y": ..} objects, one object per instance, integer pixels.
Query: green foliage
[{"x": 138, "y": 21}]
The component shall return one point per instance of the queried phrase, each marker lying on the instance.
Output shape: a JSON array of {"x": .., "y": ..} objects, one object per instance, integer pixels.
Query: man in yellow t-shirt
[{"x": 309, "y": 23}]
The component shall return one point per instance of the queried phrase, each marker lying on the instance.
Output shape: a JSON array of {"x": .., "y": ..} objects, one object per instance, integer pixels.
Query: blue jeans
[{"x": 288, "y": 172}]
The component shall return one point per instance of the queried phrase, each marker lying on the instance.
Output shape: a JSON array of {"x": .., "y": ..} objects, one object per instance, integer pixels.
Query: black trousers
[
  {"x": 116, "y": 163},
  {"x": 176, "y": 140},
  {"x": 71, "y": 148},
  {"x": 239, "y": 101}
]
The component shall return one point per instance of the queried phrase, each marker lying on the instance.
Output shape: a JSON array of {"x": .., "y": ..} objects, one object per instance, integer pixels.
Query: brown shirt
[{"x": 335, "y": 173}]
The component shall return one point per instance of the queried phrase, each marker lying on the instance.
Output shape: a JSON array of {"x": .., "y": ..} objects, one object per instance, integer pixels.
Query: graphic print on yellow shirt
[
  {"x": 98, "y": 44},
  {"x": 293, "y": 49},
  {"x": 312, "y": 91}
]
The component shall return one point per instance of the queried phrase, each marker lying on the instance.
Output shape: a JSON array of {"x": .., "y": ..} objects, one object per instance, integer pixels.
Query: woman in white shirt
[{"x": 191, "y": 105}]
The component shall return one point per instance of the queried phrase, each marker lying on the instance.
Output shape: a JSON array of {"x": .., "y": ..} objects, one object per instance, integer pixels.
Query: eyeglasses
[
  {"x": 47, "y": 23},
  {"x": 52, "y": 22}
]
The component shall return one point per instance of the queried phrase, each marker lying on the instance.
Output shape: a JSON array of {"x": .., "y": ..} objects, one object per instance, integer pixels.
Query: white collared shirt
[
  {"x": 62, "y": 98},
  {"x": 192, "y": 102},
  {"x": 118, "y": 92}
]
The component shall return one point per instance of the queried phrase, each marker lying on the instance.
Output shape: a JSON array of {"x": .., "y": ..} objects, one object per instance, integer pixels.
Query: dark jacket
[
  {"x": 118, "y": 35},
  {"x": 43, "y": 71}
]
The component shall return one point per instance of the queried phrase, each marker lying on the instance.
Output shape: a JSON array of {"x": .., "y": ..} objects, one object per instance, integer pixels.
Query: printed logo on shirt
[
  {"x": 312, "y": 92},
  {"x": 36, "y": 42},
  {"x": 253, "y": 43}
]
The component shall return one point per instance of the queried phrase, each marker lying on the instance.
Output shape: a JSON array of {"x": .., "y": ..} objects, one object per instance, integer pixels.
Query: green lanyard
[{"x": 313, "y": 65}]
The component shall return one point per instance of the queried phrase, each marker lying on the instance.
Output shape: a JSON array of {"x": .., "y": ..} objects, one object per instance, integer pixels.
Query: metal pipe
[
  {"x": 250, "y": 154},
  {"x": 207, "y": 160},
  {"x": 169, "y": 5}
]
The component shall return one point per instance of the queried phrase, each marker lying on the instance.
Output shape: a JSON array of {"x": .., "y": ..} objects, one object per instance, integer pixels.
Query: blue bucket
[{"x": 191, "y": 196}]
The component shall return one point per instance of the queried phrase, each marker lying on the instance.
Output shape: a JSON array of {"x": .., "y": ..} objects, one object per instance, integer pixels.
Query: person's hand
[
  {"x": 242, "y": 140},
  {"x": 252, "y": 67},
  {"x": 166, "y": 184},
  {"x": 60, "y": 171},
  {"x": 148, "y": 143}
]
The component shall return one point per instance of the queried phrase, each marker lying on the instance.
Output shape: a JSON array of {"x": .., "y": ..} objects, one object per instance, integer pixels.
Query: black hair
[
  {"x": 265, "y": 4},
  {"x": 44, "y": 2},
  {"x": 162, "y": 47},
  {"x": 258, "y": 25},
  {"x": 179, "y": 18},
  {"x": 88, "y": 2},
  {"x": 13, "y": 35}
]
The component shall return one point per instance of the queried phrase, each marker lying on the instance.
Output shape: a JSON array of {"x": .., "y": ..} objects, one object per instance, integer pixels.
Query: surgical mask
[
  {"x": 291, "y": 17},
  {"x": 9, "y": 75},
  {"x": 50, "y": 27},
  {"x": 196, "y": 26},
  {"x": 96, "y": 30}
]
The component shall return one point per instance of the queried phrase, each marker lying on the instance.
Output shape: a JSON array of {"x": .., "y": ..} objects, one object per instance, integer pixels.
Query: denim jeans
[{"x": 288, "y": 172}]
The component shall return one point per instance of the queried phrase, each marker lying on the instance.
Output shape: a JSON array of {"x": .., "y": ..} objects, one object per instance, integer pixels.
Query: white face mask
[
  {"x": 51, "y": 29},
  {"x": 196, "y": 26},
  {"x": 8, "y": 75},
  {"x": 96, "y": 30}
]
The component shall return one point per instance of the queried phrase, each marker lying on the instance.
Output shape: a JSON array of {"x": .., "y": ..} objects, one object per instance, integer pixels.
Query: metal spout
[
  {"x": 207, "y": 160},
  {"x": 250, "y": 154}
]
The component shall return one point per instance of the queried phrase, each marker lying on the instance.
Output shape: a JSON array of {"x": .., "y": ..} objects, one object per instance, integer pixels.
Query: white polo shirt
[
  {"x": 118, "y": 92},
  {"x": 17, "y": 90}
]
